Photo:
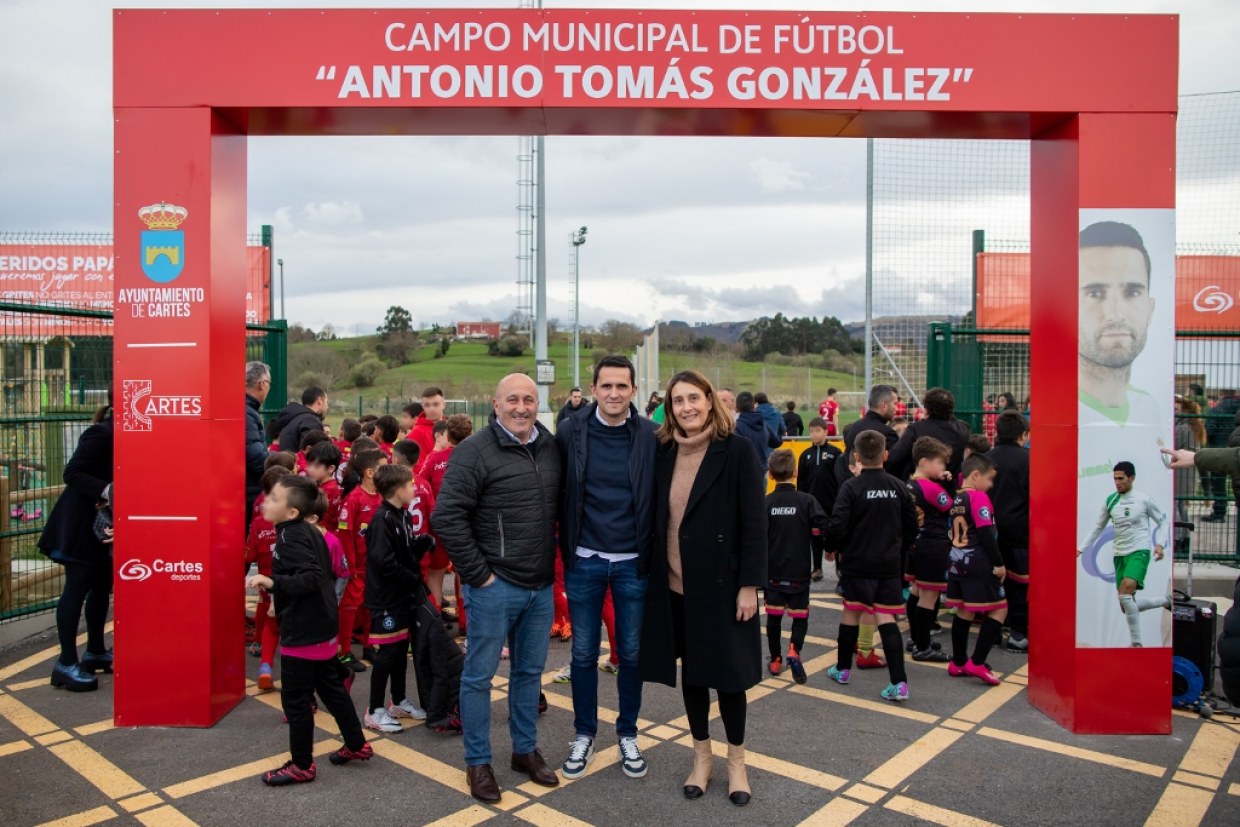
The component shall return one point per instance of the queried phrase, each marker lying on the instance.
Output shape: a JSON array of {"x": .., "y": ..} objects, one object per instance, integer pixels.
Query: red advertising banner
[
  {"x": 402, "y": 60},
  {"x": 80, "y": 275},
  {"x": 1207, "y": 292}
]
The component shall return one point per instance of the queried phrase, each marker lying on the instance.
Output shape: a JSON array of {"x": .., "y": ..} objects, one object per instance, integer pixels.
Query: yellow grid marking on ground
[
  {"x": 754, "y": 694},
  {"x": 143, "y": 801},
  {"x": 95, "y": 816},
  {"x": 664, "y": 732},
  {"x": 50, "y": 738},
  {"x": 887, "y": 708},
  {"x": 960, "y": 726},
  {"x": 837, "y": 813},
  {"x": 165, "y": 816},
  {"x": 933, "y": 814},
  {"x": 1203, "y": 781},
  {"x": 41, "y": 656},
  {"x": 30, "y": 684},
  {"x": 23, "y": 717},
  {"x": 251, "y": 770},
  {"x": 776, "y": 766},
  {"x": 14, "y": 747},
  {"x": 1211, "y": 751},
  {"x": 436, "y": 770},
  {"x": 475, "y": 814},
  {"x": 988, "y": 703},
  {"x": 866, "y": 793},
  {"x": 604, "y": 714},
  {"x": 1180, "y": 806},
  {"x": 1234, "y": 789},
  {"x": 541, "y": 815},
  {"x": 912, "y": 758},
  {"x": 95, "y": 728},
  {"x": 110, "y": 779},
  {"x": 1119, "y": 762}
]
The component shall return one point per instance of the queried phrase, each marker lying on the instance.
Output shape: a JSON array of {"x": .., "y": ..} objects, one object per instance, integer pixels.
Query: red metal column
[
  {"x": 179, "y": 223},
  {"x": 1090, "y": 161}
]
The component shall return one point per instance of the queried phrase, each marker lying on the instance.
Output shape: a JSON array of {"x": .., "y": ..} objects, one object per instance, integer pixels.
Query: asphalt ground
[{"x": 958, "y": 753}]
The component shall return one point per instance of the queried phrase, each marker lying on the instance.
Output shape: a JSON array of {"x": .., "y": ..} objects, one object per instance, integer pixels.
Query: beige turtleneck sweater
[{"x": 690, "y": 451}]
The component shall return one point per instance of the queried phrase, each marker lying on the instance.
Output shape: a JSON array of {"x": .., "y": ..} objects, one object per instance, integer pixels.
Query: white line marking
[
  {"x": 169, "y": 519},
  {"x": 162, "y": 344}
]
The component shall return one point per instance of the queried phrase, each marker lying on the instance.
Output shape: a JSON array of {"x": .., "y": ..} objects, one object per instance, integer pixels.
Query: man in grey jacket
[
  {"x": 496, "y": 515},
  {"x": 257, "y": 386}
]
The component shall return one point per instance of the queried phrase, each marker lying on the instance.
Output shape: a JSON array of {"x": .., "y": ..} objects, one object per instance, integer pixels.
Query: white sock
[
  {"x": 1129, "y": 604},
  {"x": 1146, "y": 603}
]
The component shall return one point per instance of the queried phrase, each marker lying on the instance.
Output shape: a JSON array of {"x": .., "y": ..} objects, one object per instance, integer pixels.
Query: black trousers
[
  {"x": 391, "y": 665},
  {"x": 85, "y": 585},
  {"x": 300, "y": 679},
  {"x": 733, "y": 707}
]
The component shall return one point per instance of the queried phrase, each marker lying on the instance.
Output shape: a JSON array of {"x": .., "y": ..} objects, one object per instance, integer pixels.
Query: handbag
[{"x": 103, "y": 519}]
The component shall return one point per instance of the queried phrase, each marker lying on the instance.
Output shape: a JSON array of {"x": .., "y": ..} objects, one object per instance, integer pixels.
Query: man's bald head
[{"x": 516, "y": 405}]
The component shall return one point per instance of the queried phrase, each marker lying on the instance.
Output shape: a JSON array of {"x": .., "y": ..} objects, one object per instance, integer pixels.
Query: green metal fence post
[{"x": 275, "y": 354}]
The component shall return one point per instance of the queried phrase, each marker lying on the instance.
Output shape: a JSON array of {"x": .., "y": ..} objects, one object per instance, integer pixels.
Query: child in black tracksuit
[
  {"x": 794, "y": 523},
  {"x": 302, "y": 589},
  {"x": 393, "y": 586},
  {"x": 872, "y": 528}
]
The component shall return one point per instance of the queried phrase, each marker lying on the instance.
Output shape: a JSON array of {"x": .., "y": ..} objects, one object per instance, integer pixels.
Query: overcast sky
[{"x": 708, "y": 229}]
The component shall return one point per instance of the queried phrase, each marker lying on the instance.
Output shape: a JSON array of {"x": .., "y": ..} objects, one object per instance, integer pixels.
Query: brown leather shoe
[
  {"x": 533, "y": 765},
  {"x": 482, "y": 783}
]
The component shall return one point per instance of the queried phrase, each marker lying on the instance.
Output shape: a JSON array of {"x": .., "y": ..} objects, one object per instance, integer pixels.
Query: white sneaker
[
  {"x": 580, "y": 753},
  {"x": 381, "y": 721},
  {"x": 565, "y": 675},
  {"x": 605, "y": 665},
  {"x": 631, "y": 760},
  {"x": 407, "y": 709}
]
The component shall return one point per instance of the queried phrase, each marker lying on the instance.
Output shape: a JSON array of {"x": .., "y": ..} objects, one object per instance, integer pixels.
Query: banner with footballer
[{"x": 1125, "y": 370}]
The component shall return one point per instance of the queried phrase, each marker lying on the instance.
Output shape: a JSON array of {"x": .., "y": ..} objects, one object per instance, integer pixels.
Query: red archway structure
[{"x": 1095, "y": 94}]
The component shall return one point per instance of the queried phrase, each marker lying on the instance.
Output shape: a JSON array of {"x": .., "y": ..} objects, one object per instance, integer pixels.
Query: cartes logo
[
  {"x": 1212, "y": 299},
  {"x": 163, "y": 246},
  {"x": 140, "y": 406},
  {"x": 136, "y": 570}
]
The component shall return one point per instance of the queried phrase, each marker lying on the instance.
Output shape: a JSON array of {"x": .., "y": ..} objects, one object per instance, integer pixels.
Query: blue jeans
[
  {"x": 586, "y": 583},
  {"x": 494, "y": 613}
]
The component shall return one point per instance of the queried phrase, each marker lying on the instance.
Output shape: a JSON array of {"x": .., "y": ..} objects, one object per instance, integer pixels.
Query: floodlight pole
[
  {"x": 869, "y": 269},
  {"x": 540, "y": 265},
  {"x": 577, "y": 238}
]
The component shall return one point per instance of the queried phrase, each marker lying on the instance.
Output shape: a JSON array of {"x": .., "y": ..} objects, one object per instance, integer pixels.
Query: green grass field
[{"x": 468, "y": 372}]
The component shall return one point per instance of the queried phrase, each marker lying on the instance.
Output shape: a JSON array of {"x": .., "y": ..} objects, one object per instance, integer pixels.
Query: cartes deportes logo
[
  {"x": 163, "y": 246},
  {"x": 135, "y": 569},
  {"x": 139, "y": 406},
  {"x": 1212, "y": 299}
]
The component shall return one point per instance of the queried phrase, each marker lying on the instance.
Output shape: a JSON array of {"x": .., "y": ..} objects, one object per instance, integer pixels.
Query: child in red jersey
[
  {"x": 423, "y": 427},
  {"x": 408, "y": 416},
  {"x": 358, "y": 509},
  {"x": 457, "y": 429},
  {"x": 308, "y": 441},
  {"x": 258, "y": 550},
  {"x": 975, "y": 578},
  {"x": 387, "y": 431},
  {"x": 300, "y": 583},
  {"x": 322, "y": 463},
  {"x": 350, "y": 430},
  {"x": 928, "y": 560}
]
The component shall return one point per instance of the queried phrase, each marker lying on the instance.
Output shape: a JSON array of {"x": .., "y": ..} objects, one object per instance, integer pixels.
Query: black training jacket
[
  {"x": 951, "y": 432},
  {"x": 870, "y": 422},
  {"x": 873, "y": 525},
  {"x": 497, "y": 508},
  {"x": 813, "y": 459},
  {"x": 794, "y": 521},
  {"x": 1010, "y": 495},
  {"x": 393, "y": 552},
  {"x": 303, "y": 588}
]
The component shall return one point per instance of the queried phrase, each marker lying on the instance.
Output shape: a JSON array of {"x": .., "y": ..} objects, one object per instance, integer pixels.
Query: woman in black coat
[
  {"x": 710, "y": 560},
  {"x": 69, "y": 539}
]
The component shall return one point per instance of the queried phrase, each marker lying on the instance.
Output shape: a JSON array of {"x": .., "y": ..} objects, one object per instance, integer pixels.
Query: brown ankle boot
[
  {"x": 738, "y": 780},
  {"x": 703, "y": 765}
]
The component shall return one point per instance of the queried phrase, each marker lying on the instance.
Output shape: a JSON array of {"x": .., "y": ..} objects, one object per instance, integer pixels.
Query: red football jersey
[
  {"x": 435, "y": 466},
  {"x": 356, "y": 512},
  {"x": 335, "y": 498}
]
